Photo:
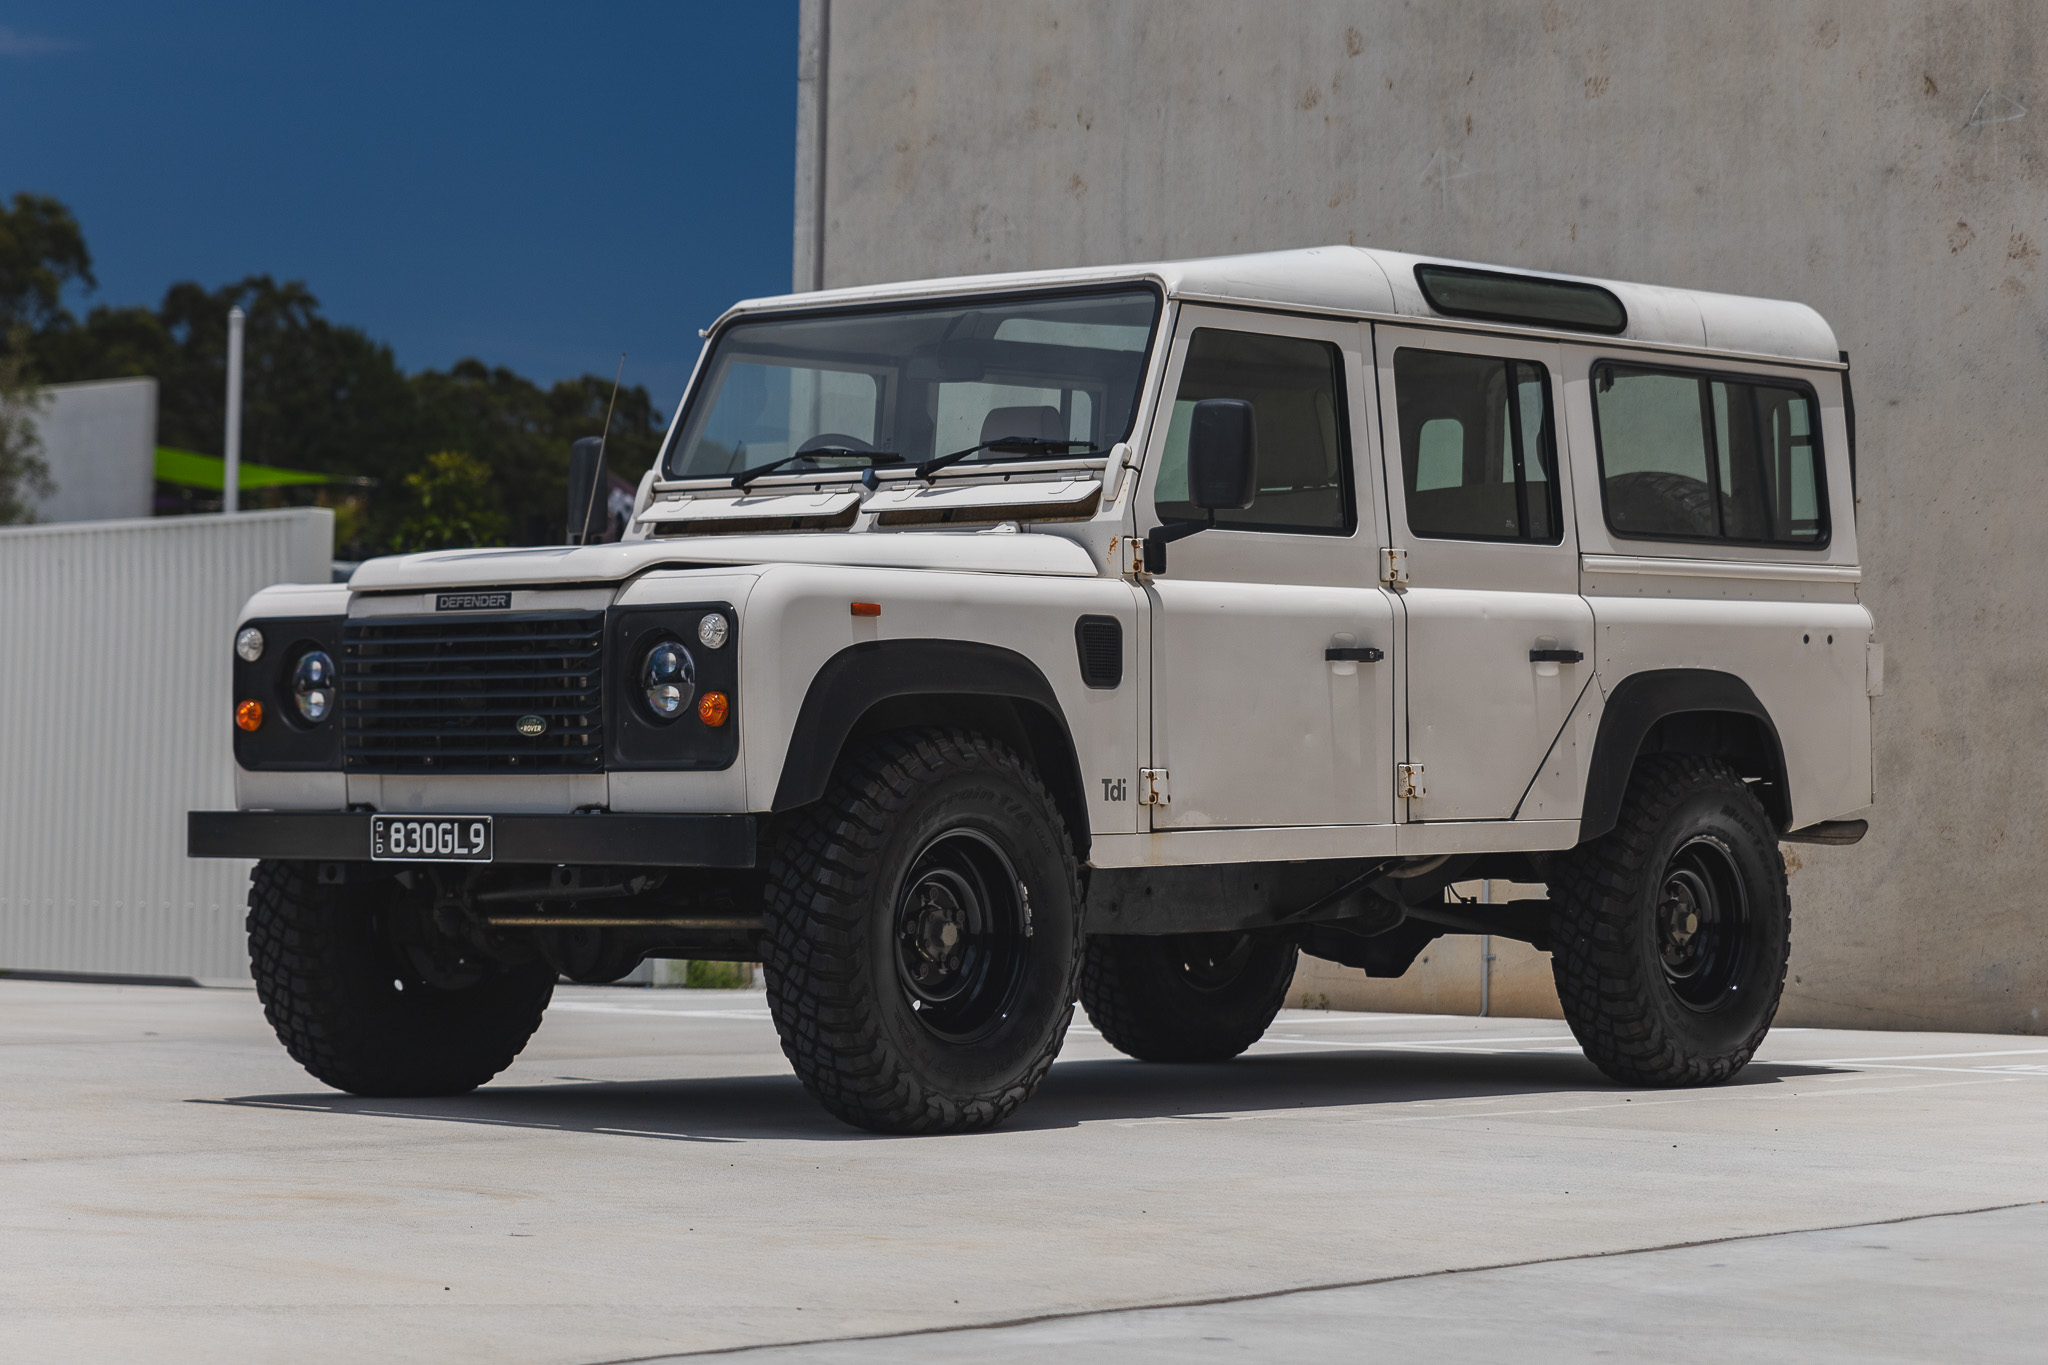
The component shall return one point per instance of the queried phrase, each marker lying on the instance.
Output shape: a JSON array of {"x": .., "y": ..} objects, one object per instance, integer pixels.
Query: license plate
[{"x": 430, "y": 838}]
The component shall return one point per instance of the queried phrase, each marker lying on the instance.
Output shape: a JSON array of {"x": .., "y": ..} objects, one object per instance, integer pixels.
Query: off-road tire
[
  {"x": 840, "y": 876},
  {"x": 331, "y": 987},
  {"x": 1186, "y": 997},
  {"x": 1629, "y": 1012}
]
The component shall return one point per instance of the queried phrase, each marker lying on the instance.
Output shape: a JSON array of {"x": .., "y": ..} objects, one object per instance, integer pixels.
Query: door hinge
[
  {"x": 1393, "y": 565},
  {"x": 1152, "y": 789},
  {"x": 1409, "y": 782}
]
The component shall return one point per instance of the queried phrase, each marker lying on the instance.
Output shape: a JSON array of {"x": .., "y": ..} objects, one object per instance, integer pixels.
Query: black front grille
[{"x": 520, "y": 692}]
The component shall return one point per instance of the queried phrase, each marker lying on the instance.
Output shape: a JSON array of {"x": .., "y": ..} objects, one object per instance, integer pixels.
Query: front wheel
[
  {"x": 366, "y": 995},
  {"x": 1673, "y": 930},
  {"x": 923, "y": 934}
]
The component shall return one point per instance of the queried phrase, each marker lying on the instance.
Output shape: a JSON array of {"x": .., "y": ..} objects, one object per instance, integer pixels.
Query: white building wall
[
  {"x": 99, "y": 440},
  {"x": 115, "y": 718}
]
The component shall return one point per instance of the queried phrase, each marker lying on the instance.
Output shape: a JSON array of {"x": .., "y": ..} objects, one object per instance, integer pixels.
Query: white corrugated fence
[{"x": 115, "y": 719}]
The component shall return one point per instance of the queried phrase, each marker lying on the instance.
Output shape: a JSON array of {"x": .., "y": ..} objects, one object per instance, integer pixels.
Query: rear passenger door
[{"x": 1478, "y": 492}]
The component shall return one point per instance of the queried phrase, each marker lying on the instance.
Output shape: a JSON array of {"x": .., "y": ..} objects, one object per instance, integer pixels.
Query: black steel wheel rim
[
  {"x": 962, "y": 931},
  {"x": 1702, "y": 915},
  {"x": 1211, "y": 962}
]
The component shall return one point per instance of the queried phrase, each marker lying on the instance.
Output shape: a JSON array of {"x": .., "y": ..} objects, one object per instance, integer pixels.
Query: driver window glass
[{"x": 1295, "y": 387}]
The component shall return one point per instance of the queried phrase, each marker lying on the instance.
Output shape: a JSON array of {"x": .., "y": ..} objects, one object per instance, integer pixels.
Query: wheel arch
[
  {"x": 883, "y": 685},
  {"x": 1690, "y": 711}
]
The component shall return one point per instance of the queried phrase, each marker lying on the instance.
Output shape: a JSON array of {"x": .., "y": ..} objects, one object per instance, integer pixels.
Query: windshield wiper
[
  {"x": 1015, "y": 447},
  {"x": 873, "y": 457}
]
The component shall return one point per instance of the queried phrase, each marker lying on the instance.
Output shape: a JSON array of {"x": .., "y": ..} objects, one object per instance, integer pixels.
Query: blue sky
[{"x": 542, "y": 186}]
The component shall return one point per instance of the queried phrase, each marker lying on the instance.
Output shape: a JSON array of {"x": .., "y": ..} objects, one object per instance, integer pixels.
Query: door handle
[
  {"x": 1352, "y": 654},
  {"x": 1555, "y": 656}
]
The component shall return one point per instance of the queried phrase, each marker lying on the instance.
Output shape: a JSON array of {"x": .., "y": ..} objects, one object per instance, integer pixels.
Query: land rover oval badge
[{"x": 533, "y": 727}]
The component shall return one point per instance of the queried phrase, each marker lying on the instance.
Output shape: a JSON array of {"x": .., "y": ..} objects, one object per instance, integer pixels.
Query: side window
[
  {"x": 1689, "y": 456},
  {"x": 1478, "y": 457},
  {"x": 1296, "y": 389}
]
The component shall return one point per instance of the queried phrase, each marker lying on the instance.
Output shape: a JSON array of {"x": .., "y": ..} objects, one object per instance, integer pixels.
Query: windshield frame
[{"x": 916, "y": 303}]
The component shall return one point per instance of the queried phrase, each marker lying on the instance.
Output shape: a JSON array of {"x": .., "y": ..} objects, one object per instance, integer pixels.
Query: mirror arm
[{"x": 1159, "y": 537}]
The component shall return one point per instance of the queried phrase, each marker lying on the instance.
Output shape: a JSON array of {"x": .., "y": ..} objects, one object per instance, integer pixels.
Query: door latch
[
  {"x": 1152, "y": 788},
  {"x": 1409, "y": 784},
  {"x": 1393, "y": 565}
]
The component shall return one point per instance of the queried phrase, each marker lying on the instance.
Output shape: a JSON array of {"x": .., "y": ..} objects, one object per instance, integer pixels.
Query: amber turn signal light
[
  {"x": 867, "y": 608},
  {"x": 713, "y": 708},
  {"x": 249, "y": 715}
]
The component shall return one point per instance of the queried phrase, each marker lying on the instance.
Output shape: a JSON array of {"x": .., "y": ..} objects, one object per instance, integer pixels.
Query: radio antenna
[{"x": 603, "y": 436}]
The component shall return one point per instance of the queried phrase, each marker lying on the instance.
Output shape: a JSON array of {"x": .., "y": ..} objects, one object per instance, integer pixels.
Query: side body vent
[{"x": 1100, "y": 641}]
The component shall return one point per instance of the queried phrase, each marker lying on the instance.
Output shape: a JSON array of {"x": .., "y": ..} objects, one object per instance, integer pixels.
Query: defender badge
[{"x": 533, "y": 727}]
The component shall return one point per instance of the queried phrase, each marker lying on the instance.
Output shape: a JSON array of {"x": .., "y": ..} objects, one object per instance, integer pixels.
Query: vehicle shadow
[{"x": 775, "y": 1107}]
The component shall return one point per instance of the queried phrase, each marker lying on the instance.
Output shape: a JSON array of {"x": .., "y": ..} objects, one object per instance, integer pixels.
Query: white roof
[{"x": 1381, "y": 284}]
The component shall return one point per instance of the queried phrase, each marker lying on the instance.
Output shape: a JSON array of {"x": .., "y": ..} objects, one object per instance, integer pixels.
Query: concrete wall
[
  {"x": 116, "y": 644},
  {"x": 1874, "y": 158},
  {"x": 99, "y": 440}
]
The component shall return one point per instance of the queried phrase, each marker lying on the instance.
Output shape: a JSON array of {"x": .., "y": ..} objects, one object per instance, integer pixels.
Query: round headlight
[
  {"x": 668, "y": 675},
  {"x": 313, "y": 685},
  {"x": 713, "y": 630},
  {"x": 249, "y": 644}
]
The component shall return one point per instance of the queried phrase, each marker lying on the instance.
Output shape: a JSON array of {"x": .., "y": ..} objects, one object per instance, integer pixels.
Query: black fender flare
[
  {"x": 1635, "y": 707},
  {"x": 860, "y": 677}
]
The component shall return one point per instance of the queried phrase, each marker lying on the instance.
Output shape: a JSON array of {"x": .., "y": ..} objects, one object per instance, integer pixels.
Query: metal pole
[
  {"x": 231, "y": 473},
  {"x": 1485, "y": 956}
]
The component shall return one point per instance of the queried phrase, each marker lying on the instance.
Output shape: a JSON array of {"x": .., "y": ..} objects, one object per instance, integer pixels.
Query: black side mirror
[
  {"x": 1223, "y": 455},
  {"x": 586, "y": 473},
  {"x": 1223, "y": 471}
]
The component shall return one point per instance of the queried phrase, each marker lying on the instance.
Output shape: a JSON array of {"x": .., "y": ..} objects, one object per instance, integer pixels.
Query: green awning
[{"x": 190, "y": 469}]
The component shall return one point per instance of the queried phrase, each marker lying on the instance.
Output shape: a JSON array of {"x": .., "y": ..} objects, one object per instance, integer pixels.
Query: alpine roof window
[
  {"x": 1494, "y": 296},
  {"x": 1686, "y": 455},
  {"x": 1478, "y": 454}
]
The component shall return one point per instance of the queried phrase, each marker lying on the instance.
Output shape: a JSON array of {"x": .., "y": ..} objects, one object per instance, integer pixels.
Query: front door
[
  {"x": 1476, "y": 496},
  {"x": 1263, "y": 711}
]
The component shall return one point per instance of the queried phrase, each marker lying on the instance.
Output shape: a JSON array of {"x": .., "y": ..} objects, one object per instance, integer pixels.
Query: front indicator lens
[
  {"x": 313, "y": 685},
  {"x": 668, "y": 678},
  {"x": 249, "y": 715},
  {"x": 714, "y": 709}
]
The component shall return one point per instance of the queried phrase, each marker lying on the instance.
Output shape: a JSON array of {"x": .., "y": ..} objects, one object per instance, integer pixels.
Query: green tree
[
  {"x": 24, "y": 477},
  {"x": 42, "y": 249},
  {"x": 451, "y": 504}
]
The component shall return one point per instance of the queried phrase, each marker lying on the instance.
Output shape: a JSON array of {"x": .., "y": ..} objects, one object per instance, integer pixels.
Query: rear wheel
[
  {"x": 923, "y": 934},
  {"x": 368, "y": 997},
  {"x": 1186, "y": 997},
  {"x": 1673, "y": 930}
]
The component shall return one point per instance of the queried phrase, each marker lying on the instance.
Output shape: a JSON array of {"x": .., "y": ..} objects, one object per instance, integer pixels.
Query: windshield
[{"x": 910, "y": 384}]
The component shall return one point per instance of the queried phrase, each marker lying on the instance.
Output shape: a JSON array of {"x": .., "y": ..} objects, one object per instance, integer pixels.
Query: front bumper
[{"x": 616, "y": 840}]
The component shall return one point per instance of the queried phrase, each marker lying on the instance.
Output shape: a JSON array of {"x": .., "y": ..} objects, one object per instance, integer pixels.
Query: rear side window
[
  {"x": 1296, "y": 389},
  {"x": 1478, "y": 459},
  {"x": 1692, "y": 456}
]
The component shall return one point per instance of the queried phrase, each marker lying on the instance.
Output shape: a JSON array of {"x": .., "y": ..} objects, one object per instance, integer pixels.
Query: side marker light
[
  {"x": 713, "y": 708},
  {"x": 249, "y": 715},
  {"x": 867, "y": 608}
]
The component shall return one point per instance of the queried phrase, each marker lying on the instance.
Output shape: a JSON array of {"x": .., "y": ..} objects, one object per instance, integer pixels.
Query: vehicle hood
[{"x": 967, "y": 552}]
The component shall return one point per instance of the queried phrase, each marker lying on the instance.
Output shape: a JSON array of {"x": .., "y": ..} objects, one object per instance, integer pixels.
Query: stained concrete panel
[{"x": 1879, "y": 161}]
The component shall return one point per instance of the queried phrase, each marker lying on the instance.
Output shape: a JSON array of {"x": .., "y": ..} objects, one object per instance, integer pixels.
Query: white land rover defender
[{"x": 981, "y": 644}]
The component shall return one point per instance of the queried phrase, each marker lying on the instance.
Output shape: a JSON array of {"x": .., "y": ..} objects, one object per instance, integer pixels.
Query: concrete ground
[{"x": 649, "y": 1181}]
